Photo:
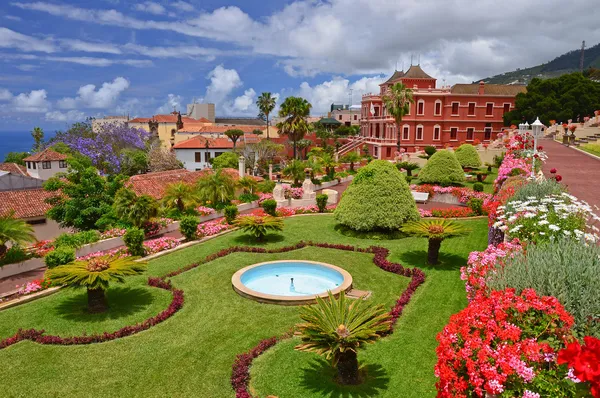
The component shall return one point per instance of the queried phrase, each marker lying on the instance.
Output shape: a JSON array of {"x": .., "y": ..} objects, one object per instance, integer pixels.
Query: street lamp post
[{"x": 536, "y": 129}]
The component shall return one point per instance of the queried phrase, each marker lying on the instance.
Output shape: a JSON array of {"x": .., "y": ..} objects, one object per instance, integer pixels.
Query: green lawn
[
  {"x": 592, "y": 148},
  {"x": 191, "y": 353}
]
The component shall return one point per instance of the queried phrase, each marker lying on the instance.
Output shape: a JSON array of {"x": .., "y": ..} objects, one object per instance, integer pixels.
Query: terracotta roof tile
[
  {"x": 139, "y": 120},
  {"x": 199, "y": 128},
  {"x": 200, "y": 143},
  {"x": 45, "y": 156},
  {"x": 489, "y": 89},
  {"x": 415, "y": 72},
  {"x": 14, "y": 168},
  {"x": 25, "y": 203},
  {"x": 396, "y": 76}
]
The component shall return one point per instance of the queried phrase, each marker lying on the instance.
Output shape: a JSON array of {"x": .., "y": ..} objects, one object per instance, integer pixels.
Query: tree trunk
[
  {"x": 409, "y": 172},
  {"x": 267, "y": 115},
  {"x": 294, "y": 149},
  {"x": 3, "y": 249},
  {"x": 96, "y": 301},
  {"x": 180, "y": 205},
  {"x": 347, "y": 368},
  {"x": 351, "y": 166},
  {"x": 434, "y": 251},
  {"x": 398, "y": 137}
]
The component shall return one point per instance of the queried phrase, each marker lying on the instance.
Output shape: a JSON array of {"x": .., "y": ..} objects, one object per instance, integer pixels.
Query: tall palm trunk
[
  {"x": 267, "y": 115},
  {"x": 295, "y": 149},
  {"x": 433, "y": 251},
  {"x": 96, "y": 301},
  {"x": 398, "y": 137},
  {"x": 347, "y": 368}
]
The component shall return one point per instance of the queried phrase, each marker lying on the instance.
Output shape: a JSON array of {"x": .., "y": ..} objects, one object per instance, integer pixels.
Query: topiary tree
[
  {"x": 443, "y": 168},
  {"x": 435, "y": 231},
  {"x": 188, "y": 226},
  {"x": 322, "y": 202},
  {"x": 95, "y": 274},
  {"x": 378, "y": 198},
  {"x": 467, "y": 156},
  {"x": 270, "y": 207},
  {"x": 337, "y": 329},
  {"x": 134, "y": 240}
]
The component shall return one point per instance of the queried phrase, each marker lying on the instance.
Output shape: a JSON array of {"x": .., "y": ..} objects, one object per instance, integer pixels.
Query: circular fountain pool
[{"x": 290, "y": 282}]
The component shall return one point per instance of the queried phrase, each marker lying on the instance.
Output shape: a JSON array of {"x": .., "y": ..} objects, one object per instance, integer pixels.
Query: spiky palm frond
[
  {"x": 96, "y": 273},
  {"x": 397, "y": 101},
  {"x": 179, "y": 196},
  {"x": 132, "y": 208},
  {"x": 266, "y": 104},
  {"x": 259, "y": 226},
  {"x": 434, "y": 229},
  {"x": 295, "y": 170},
  {"x": 248, "y": 184},
  {"x": 333, "y": 326},
  {"x": 217, "y": 187},
  {"x": 15, "y": 230}
]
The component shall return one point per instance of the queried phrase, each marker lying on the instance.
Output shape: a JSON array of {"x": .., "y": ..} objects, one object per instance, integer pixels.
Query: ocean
[{"x": 17, "y": 141}]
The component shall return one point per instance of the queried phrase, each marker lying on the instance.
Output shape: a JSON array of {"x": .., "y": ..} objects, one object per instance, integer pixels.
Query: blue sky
[{"x": 61, "y": 61}]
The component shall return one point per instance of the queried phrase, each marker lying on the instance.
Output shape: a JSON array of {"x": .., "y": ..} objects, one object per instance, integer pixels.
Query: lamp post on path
[{"x": 536, "y": 129}]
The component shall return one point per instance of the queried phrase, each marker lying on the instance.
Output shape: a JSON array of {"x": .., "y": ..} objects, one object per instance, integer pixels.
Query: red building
[{"x": 438, "y": 117}]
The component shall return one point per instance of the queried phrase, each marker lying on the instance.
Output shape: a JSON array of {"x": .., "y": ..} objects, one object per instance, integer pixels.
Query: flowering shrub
[
  {"x": 204, "y": 211},
  {"x": 452, "y": 212},
  {"x": 112, "y": 233},
  {"x": 293, "y": 193},
  {"x": 34, "y": 286},
  {"x": 214, "y": 227},
  {"x": 264, "y": 196},
  {"x": 425, "y": 213},
  {"x": 583, "y": 362},
  {"x": 41, "y": 248},
  {"x": 506, "y": 344},
  {"x": 539, "y": 220},
  {"x": 510, "y": 163},
  {"x": 161, "y": 244},
  {"x": 119, "y": 252},
  {"x": 481, "y": 263}
]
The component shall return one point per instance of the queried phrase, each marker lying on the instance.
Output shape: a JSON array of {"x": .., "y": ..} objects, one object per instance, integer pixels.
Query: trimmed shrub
[
  {"x": 247, "y": 197},
  {"x": 476, "y": 205},
  {"x": 265, "y": 186},
  {"x": 378, "y": 198},
  {"x": 478, "y": 187},
  {"x": 322, "y": 202},
  {"x": 60, "y": 256},
  {"x": 188, "y": 226},
  {"x": 230, "y": 213},
  {"x": 15, "y": 254},
  {"x": 270, "y": 207},
  {"x": 430, "y": 150},
  {"x": 134, "y": 240},
  {"x": 408, "y": 166},
  {"x": 443, "y": 168},
  {"x": 565, "y": 269},
  {"x": 77, "y": 240},
  {"x": 467, "y": 156}
]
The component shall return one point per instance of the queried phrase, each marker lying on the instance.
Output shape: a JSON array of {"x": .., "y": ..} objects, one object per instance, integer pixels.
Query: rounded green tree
[
  {"x": 378, "y": 198},
  {"x": 467, "y": 156},
  {"x": 442, "y": 168}
]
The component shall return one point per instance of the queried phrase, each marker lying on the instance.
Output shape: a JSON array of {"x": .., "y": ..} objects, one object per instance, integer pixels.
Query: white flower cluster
[{"x": 549, "y": 217}]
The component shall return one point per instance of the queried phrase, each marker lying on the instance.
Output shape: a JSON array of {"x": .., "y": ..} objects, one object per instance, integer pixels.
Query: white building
[
  {"x": 46, "y": 164},
  {"x": 196, "y": 153}
]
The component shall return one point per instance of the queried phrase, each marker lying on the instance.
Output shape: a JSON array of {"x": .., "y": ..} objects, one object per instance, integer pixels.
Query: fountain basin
[{"x": 271, "y": 282}]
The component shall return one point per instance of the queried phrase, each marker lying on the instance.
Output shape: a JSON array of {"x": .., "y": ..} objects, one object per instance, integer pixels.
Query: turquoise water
[
  {"x": 17, "y": 141},
  {"x": 276, "y": 278}
]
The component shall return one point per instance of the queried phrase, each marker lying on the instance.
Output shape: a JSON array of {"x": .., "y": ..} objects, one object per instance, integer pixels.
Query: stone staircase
[{"x": 352, "y": 144}]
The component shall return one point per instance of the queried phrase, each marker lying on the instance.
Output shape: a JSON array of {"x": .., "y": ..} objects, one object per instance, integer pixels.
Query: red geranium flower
[
  {"x": 558, "y": 178},
  {"x": 553, "y": 170}
]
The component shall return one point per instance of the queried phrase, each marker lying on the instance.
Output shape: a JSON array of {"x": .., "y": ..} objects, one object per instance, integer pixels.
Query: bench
[{"x": 420, "y": 197}]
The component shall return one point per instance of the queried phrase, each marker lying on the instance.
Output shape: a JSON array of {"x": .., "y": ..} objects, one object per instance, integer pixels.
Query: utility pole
[{"x": 582, "y": 56}]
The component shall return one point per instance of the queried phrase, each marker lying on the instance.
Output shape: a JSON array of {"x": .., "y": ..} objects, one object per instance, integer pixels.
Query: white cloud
[
  {"x": 5, "y": 95},
  {"x": 150, "y": 7},
  {"x": 70, "y": 116},
  {"x": 87, "y": 61},
  {"x": 222, "y": 83},
  {"x": 88, "y": 97},
  {"x": 27, "y": 67},
  {"x": 11, "y": 39},
  {"x": 245, "y": 103},
  {"x": 208, "y": 54},
  {"x": 13, "y": 18},
  {"x": 34, "y": 101},
  {"x": 183, "y": 6},
  {"x": 173, "y": 101},
  {"x": 83, "y": 46}
]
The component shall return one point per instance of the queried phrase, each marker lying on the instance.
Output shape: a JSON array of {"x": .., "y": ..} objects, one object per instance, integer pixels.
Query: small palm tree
[
  {"x": 435, "y": 231},
  {"x": 259, "y": 226},
  {"x": 15, "y": 231},
  {"x": 134, "y": 209},
  {"x": 217, "y": 187},
  {"x": 315, "y": 165},
  {"x": 337, "y": 329},
  {"x": 408, "y": 166},
  {"x": 234, "y": 135},
  {"x": 328, "y": 161},
  {"x": 266, "y": 104},
  {"x": 351, "y": 157},
  {"x": 248, "y": 184},
  {"x": 95, "y": 275},
  {"x": 180, "y": 196},
  {"x": 397, "y": 103},
  {"x": 295, "y": 170}
]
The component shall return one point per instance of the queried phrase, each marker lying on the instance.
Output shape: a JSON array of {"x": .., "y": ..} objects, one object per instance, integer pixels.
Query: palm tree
[
  {"x": 408, "y": 166},
  {"x": 315, "y": 165},
  {"x": 397, "y": 102},
  {"x": 259, "y": 226},
  {"x": 336, "y": 329},
  {"x": 303, "y": 145},
  {"x": 266, "y": 104},
  {"x": 294, "y": 110},
  {"x": 248, "y": 184},
  {"x": 435, "y": 231},
  {"x": 295, "y": 170},
  {"x": 216, "y": 188},
  {"x": 38, "y": 137},
  {"x": 180, "y": 196},
  {"x": 96, "y": 274},
  {"x": 134, "y": 209},
  {"x": 328, "y": 161},
  {"x": 15, "y": 231},
  {"x": 351, "y": 157},
  {"x": 233, "y": 134}
]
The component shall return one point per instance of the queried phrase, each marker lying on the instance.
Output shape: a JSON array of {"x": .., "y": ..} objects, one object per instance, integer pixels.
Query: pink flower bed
[
  {"x": 161, "y": 244},
  {"x": 294, "y": 193},
  {"x": 112, "y": 233},
  {"x": 462, "y": 194},
  {"x": 292, "y": 211},
  {"x": 481, "y": 263},
  {"x": 205, "y": 211},
  {"x": 214, "y": 227},
  {"x": 510, "y": 163},
  {"x": 264, "y": 196}
]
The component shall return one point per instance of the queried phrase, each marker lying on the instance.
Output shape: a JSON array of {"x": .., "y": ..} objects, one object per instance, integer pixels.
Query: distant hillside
[{"x": 566, "y": 63}]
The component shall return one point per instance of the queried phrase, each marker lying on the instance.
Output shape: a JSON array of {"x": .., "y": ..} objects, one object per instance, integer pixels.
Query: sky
[{"x": 62, "y": 61}]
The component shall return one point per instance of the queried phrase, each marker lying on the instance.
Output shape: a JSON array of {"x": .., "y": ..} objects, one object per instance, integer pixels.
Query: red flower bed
[
  {"x": 501, "y": 343},
  {"x": 584, "y": 361},
  {"x": 453, "y": 212}
]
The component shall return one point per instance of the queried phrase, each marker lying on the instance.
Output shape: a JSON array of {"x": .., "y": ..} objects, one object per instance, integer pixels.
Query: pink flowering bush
[
  {"x": 510, "y": 163},
  {"x": 214, "y": 227},
  {"x": 112, "y": 233},
  {"x": 481, "y": 263},
  {"x": 119, "y": 252},
  {"x": 425, "y": 213},
  {"x": 292, "y": 211},
  {"x": 293, "y": 193},
  {"x": 204, "y": 211},
  {"x": 264, "y": 196},
  {"x": 161, "y": 244},
  {"x": 41, "y": 248},
  {"x": 34, "y": 286},
  {"x": 461, "y": 193}
]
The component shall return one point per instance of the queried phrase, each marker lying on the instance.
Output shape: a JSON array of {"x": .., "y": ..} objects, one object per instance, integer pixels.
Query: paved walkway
[{"x": 580, "y": 172}]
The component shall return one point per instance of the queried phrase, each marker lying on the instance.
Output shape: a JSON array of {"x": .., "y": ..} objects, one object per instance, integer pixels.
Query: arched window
[
  {"x": 419, "y": 135},
  {"x": 437, "y": 110},
  {"x": 406, "y": 132},
  {"x": 421, "y": 107},
  {"x": 437, "y": 132}
]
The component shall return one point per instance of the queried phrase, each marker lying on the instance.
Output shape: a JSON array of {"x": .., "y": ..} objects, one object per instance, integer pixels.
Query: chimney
[{"x": 481, "y": 88}]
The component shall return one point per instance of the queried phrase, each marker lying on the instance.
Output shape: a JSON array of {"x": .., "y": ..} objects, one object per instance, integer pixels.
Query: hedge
[
  {"x": 467, "y": 156},
  {"x": 442, "y": 168}
]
